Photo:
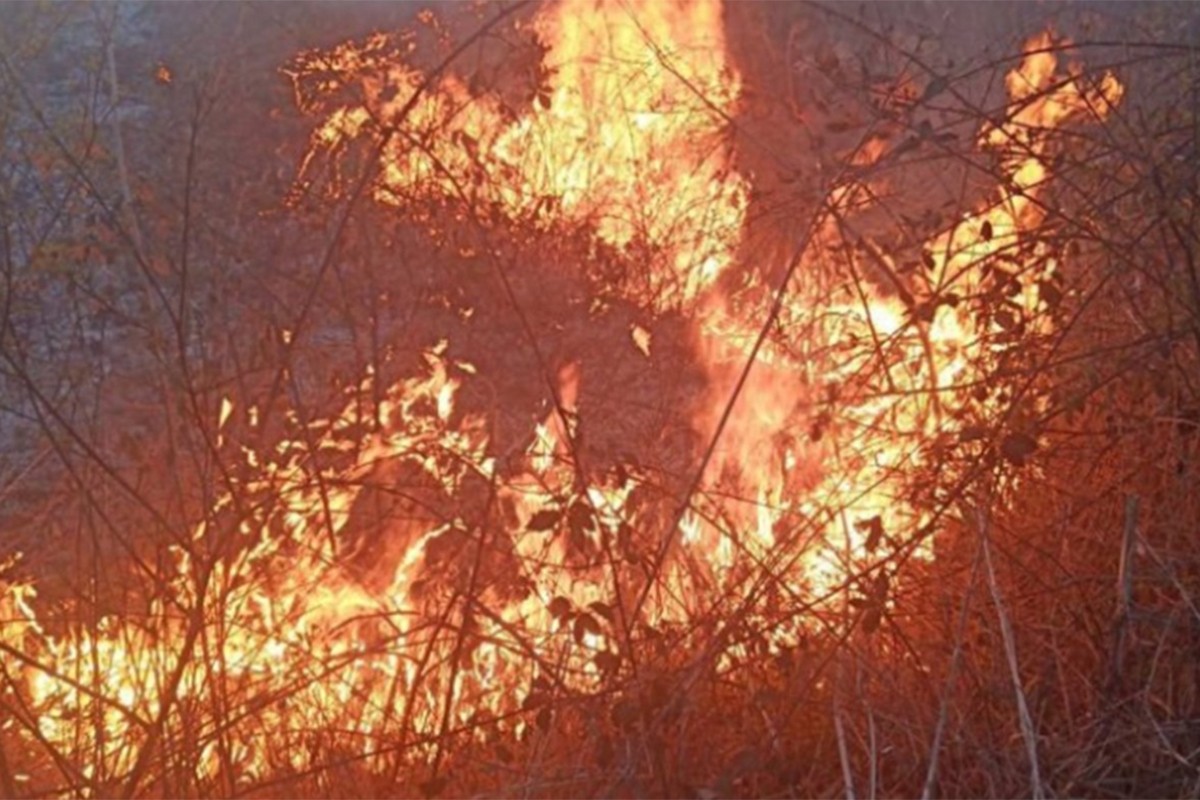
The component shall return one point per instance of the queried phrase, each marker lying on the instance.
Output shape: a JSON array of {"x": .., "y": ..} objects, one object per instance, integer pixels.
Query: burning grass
[{"x": 398, "y": 598}]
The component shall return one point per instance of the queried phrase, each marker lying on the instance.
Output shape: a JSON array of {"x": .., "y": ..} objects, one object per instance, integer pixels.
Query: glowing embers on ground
[{"x": 625, "y": 137}]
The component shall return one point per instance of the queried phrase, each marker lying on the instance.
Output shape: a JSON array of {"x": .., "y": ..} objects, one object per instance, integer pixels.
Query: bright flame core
[{"x": 626, "y": 136}]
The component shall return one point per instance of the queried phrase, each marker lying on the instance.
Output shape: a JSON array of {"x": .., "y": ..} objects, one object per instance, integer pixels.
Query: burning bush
[{"x": 676, "y": 476}]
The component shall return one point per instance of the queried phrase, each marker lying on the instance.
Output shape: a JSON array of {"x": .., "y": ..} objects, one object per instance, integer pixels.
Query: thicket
[{"x": 157, "y": 260}]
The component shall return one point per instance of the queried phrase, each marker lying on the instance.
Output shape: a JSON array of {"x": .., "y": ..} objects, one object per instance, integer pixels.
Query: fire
[
  {"x": 271, "y": 644},
  {"x": 847, "y": 474},
  {"x": 283, "y": 627},
  {"x": 626, "y": 136}
]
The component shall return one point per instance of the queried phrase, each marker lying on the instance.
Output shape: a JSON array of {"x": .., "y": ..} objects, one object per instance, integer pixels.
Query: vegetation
[{"x": 558, "y": 400}]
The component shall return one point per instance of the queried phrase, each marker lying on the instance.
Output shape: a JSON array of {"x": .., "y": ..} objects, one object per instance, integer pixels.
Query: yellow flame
[{"x": 627, "y": 136}]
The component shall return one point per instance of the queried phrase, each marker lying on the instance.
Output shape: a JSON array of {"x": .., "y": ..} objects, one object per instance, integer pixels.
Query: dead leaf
[
  {"x": 544, "y": 520},
  {"x": 560, "y": 607},
  {"x": 1017, "y": 448},
  {"x": 641, "y": 338},
  {"x": 874, "y": 530}
]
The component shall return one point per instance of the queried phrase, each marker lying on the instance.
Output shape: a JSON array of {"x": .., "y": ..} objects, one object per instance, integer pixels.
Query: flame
[
  {"x": 279, "y": 636},
  {"x": 626, "y": 136},
  {"x": 276, "y": 615},
  {"x": 847, "y": 475}
]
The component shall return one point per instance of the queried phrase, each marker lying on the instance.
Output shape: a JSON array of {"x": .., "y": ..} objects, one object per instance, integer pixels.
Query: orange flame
[{"x": 625, "y": 137}]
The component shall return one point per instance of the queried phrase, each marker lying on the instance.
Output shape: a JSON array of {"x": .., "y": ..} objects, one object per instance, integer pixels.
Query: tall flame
[
  {"x": 843, "y": 437},
  {"x": 626, "y": 136}
]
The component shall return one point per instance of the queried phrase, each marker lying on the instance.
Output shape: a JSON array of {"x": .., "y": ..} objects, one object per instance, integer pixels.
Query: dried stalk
[
  {"x": 843, "y": 749},
  {"x": 1124, "y": 593},
  {"x": 952, "y": 677},
  {"x": 1028, "y": 734},
  {"x": 110, "y": 56}
]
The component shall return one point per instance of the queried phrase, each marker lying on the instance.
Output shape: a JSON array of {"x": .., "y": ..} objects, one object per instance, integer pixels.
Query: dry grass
[{"x": 1046, "y": 649}]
